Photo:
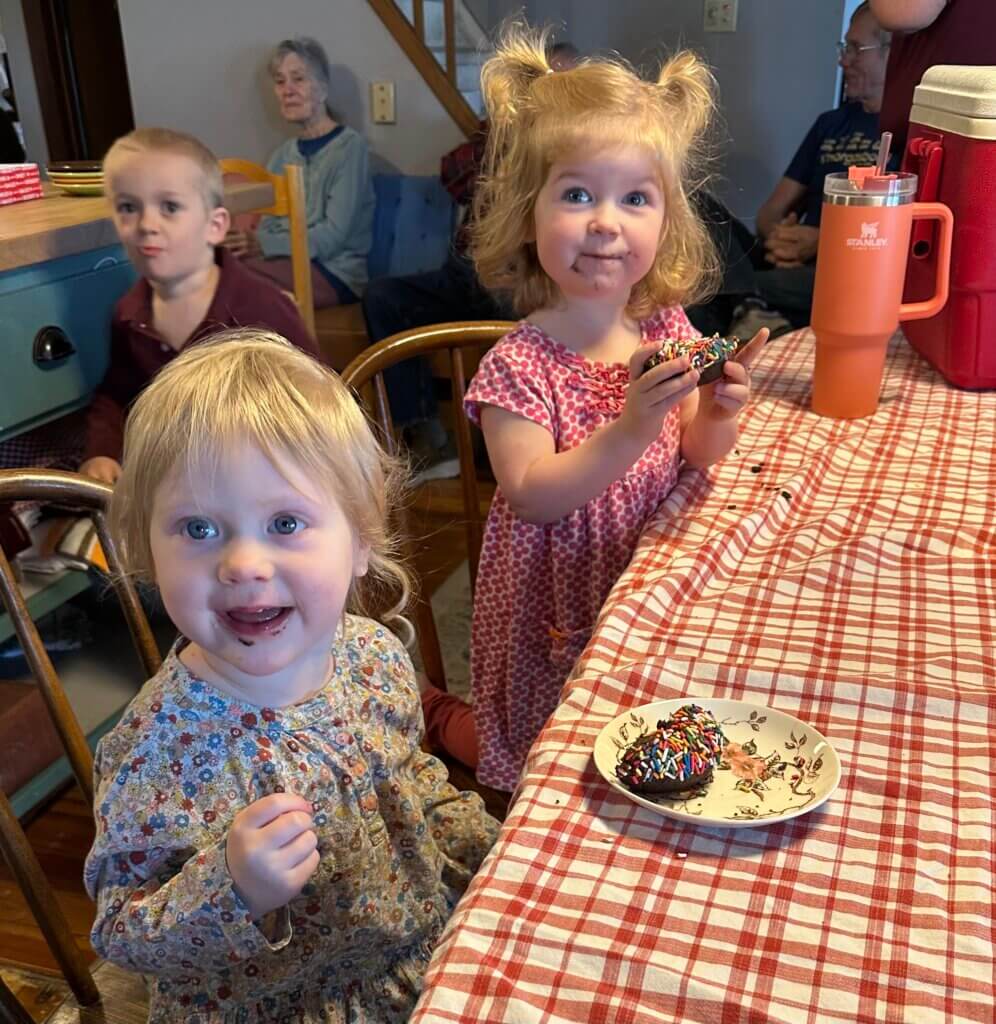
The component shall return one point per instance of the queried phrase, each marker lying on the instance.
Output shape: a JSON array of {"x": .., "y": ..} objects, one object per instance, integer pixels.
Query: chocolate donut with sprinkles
[
  {"x": 707, "y": 354},
  {"x": 678, "y": 755}
]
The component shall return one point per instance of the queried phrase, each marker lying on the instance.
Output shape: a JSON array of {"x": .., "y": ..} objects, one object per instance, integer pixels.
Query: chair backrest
[
  {"x": 452, "y": 339},
  {"x": 67, "y": 490},
  {"x": 288, "y": 201}
]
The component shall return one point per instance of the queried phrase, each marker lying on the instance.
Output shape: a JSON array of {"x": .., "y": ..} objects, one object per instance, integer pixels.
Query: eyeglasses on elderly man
[{"x": 852, "y": 50}]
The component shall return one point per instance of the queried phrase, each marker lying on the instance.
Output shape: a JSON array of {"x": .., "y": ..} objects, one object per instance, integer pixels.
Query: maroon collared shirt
[
  {"x": 242, "y": 299},
  {"x": 963, "y": 33}
]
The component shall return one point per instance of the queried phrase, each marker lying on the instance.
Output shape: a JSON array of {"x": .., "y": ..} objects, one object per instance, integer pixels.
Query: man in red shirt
[{"x": 929, "y": 32}]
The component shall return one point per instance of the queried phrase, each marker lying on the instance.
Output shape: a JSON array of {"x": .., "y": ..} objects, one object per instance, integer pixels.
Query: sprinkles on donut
[
  {"x": 680, "y": 754},
  {"x": 707, "y": 354}
]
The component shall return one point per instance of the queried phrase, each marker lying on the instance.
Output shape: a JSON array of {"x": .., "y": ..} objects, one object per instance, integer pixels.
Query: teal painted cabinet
[
  {"x": 55, "y": 334},
  {"x": 55, "y": 320}
]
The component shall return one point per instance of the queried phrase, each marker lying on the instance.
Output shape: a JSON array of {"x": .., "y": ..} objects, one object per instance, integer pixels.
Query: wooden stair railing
[{"x": 410, "y": 38}]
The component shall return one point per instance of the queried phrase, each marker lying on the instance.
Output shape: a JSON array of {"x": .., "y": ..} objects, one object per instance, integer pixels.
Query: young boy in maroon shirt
[{"x": 166, "y": 193}]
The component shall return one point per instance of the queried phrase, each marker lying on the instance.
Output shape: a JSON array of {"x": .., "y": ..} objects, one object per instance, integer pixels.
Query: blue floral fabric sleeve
[{"x": 159, "y": 876}]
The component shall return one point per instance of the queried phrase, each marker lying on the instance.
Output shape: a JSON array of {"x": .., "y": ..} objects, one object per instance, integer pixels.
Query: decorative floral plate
[{"x": 775, "y": 767}]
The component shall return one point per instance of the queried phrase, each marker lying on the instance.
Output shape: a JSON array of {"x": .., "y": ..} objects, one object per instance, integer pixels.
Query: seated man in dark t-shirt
[{"x": 788, "y": 222}]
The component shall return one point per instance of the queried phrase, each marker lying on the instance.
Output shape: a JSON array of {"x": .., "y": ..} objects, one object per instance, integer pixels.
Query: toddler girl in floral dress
[{"x": 272, "y": 844}]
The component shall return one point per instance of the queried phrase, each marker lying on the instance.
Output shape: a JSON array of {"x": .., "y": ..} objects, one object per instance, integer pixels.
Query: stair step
[
  {"x": 468, "y": 33},
  {"x": 472, "y": 47}
]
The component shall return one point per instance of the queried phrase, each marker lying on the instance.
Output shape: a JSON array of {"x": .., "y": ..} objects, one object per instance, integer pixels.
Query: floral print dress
[
  {"x": 540, "y": 587},
  {"x": 398, "y": 844}
]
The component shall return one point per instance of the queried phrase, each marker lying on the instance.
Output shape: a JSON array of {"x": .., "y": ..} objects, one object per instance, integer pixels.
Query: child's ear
[
  {"x": 219, "y": 221},
  {"x": 361, "y": 560}
]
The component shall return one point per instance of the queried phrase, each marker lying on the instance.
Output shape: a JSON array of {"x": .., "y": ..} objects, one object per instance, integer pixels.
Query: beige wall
[
  {"x": 776, "y": 73},
  {"x": 200, "y": 67}
]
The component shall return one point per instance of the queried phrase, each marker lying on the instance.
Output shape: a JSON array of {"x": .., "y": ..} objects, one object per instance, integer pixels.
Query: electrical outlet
[
  {"x": 720, "y": 16},
  {"x": 382, "y": 102}
]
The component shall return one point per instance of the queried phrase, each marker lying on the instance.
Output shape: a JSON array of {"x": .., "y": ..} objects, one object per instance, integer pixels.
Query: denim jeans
[{"x": 789, "y": 290}]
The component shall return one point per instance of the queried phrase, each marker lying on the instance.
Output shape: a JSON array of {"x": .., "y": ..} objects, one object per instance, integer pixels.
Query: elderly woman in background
[{"x": 340, "y": 198}]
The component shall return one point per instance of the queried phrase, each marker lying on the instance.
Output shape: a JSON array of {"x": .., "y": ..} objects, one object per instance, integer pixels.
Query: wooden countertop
[{"x": 61, "y": 225}]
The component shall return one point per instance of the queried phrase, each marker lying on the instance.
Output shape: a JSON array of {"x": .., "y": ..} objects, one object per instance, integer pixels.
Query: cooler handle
[
  {"x": 921, "y": 310},
  {"x": 929, "y": 154}
]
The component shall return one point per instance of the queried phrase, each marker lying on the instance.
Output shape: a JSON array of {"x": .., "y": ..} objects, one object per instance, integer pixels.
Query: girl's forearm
[
  {"x": 554, "y": 485},
  {"x": 708, "y": 438}
]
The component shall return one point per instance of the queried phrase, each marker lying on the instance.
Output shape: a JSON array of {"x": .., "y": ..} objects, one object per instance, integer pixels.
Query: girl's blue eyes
[
  {"x": 285, "y": 524},
  {"x": 200, "y": 529},
  {"x": 582, "y": 195},
  {"x": 203, "y": 529}
]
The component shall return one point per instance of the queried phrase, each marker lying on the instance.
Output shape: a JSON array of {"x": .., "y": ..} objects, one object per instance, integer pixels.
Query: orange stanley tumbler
[{"x": 860, "y": 268}]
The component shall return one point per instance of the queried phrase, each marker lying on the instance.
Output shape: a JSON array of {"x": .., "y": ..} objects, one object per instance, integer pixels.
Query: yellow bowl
[
  {"x": 84, "y": 189},
  {"x": 77, "y": 179}
]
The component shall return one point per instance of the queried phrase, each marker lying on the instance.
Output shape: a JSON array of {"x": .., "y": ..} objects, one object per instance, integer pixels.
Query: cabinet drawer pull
[{"x": 51, "y": 347}]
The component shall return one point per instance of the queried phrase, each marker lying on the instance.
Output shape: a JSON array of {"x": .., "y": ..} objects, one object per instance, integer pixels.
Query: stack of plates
[{"x": 77, "y": 177}]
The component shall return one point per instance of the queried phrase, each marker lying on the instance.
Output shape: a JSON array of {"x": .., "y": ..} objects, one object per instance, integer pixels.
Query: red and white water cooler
[{"x": 951, "y": 146}]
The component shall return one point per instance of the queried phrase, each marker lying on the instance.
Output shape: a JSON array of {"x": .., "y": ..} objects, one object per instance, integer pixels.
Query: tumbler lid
[{"x": 866, "y": 188}]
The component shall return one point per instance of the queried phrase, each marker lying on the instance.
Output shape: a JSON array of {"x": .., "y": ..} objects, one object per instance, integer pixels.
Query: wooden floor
[{"x": 61, "y": 834}]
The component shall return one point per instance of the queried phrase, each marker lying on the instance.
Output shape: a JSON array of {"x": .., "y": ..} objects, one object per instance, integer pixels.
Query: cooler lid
[{"x": 957, "y": 98}]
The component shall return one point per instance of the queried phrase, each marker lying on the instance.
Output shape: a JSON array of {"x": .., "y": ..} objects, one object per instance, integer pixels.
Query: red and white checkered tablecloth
[{"x": 842, "y": 572}]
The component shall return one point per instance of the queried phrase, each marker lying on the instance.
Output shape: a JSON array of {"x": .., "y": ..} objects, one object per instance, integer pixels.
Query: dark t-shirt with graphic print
[{"x": 838, "y": 139}]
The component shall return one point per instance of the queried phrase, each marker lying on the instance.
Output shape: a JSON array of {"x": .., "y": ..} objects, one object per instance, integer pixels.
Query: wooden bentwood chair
[
  {"x": 76, "y": 492},
  {"x": 451, "y": 343},
  {"x": 288, "y": 201}
]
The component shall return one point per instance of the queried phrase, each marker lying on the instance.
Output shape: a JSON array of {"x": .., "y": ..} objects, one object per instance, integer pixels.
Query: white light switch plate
[
  {"x": 382, "y": 102},
  {"x": 720, "y": 16}
]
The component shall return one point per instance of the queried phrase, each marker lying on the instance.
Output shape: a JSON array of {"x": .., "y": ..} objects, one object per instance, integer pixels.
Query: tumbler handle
[{"x": 921, "y": 310}]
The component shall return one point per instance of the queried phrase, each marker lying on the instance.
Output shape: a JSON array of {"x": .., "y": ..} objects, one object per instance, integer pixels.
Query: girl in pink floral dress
[{"x": 584, "y": 217}]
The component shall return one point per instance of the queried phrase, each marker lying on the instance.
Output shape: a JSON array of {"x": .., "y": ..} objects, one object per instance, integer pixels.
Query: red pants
[
  {"x": 449, "y": 725},
  {"x": 281, "y": 270}
]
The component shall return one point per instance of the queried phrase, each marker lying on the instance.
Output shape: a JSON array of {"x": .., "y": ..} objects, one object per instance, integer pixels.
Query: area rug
[
  {"x": 37, "y": 992},
  {"x": 451, "y": 606}
]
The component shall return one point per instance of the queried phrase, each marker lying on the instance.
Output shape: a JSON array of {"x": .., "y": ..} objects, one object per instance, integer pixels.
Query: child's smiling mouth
[{"x": 252, "y": 621}]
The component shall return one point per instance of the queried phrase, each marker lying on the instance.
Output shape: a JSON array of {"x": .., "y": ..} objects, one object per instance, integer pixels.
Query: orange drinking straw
[{"x": 860, "y": 174}]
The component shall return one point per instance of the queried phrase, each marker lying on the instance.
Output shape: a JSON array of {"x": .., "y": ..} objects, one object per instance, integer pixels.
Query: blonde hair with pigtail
[
  {"x": 249, "y": 385},
  {"x": 538, "y": 117}
]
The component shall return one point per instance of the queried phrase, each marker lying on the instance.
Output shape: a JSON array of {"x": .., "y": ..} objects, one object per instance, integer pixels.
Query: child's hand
[
  {"x": 243, "y": 244},
  {"x": 272, "y": 851},
  {"x": 652, "y": 394},
  {"x": 102, "y": 468},
  {"x": 724, "y": 399}
]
